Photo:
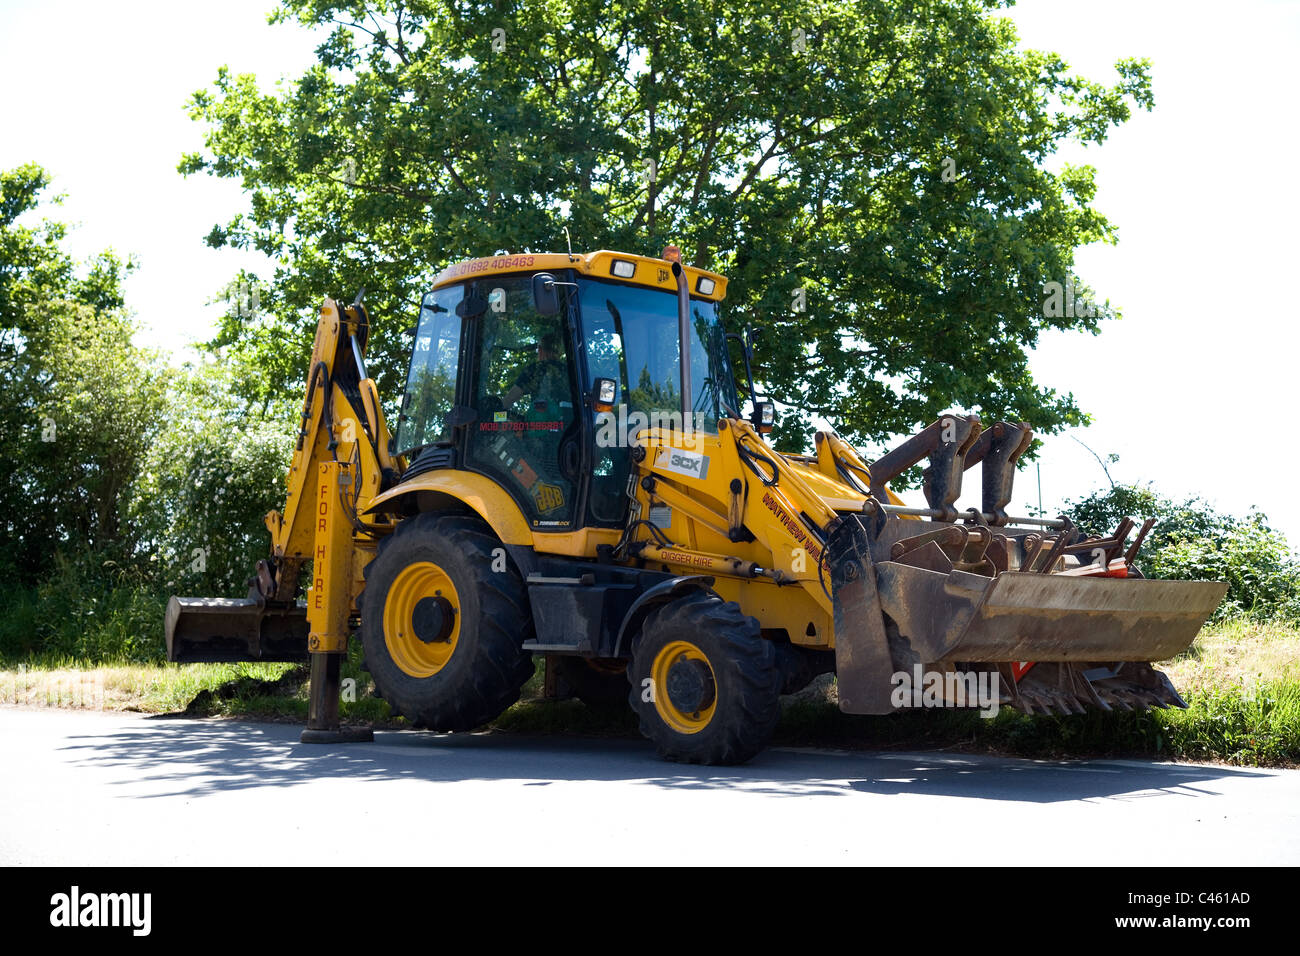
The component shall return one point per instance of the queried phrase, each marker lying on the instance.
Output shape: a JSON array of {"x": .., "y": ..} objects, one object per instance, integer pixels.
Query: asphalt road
[{"x": 89, "y": 788}]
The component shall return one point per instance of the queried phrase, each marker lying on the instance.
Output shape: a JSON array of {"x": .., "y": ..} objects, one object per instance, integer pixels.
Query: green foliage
[
  {"x": 1262, "y": 574},
  {"x": 79, "y": 403},
  {"x": 1256, "y": 725},
  {"x": 121, "y": 480},
  {"x": 1100, "y": 512},
  {"x": 102, "y": 403},
  {"x": 1192, "y": 541},
  {"x": 888, "y": 159},
  {"x": 86, "y": 608},
  {"x": 32, "y": 266},
  {"x": 34, "y": 269},
  {"x": 210, "y": 477}
]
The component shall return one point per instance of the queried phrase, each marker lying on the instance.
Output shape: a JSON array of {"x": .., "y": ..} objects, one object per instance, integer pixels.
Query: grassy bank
[
  {"x": 1218, "y": 726},
  {"x": 1241, "y": 681}
]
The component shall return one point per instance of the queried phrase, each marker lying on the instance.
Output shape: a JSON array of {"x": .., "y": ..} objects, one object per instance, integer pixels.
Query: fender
[
  {"x": 661, "y": 593},
  {"x": 482, "y": 495}
]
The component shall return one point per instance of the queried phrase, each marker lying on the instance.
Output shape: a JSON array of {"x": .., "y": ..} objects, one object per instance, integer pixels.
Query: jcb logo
[{"x": 548, "y": 497}]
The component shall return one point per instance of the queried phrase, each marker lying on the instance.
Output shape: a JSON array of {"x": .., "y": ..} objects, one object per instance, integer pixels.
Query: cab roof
[{"x": 655, "y": 273}]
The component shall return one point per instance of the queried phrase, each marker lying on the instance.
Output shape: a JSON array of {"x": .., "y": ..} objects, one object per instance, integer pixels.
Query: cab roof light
[{"x": 622, "y": 268}]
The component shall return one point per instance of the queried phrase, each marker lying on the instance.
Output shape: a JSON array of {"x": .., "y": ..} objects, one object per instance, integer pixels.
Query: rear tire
[
  {"x": 442, "y": 630},
  {"x": 705, "y": 684}
]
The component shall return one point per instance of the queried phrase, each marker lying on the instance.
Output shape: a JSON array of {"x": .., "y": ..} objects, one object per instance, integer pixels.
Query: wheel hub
[
  {"x": 433, "y": 619},
  {"x": 690, "y": 685},
  {"x": 684, "y": 686},
  {"x": 421, "y": 619}
]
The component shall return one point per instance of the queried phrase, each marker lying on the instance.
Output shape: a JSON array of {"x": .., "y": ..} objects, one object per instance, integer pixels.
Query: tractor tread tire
[
  {"x": 748, "y": 680},
  {"x": 471, "y": 689}
]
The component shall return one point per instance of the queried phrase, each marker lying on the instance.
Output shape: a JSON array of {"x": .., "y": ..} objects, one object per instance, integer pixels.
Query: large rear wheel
[
  {"x": 443, "y": 618},
  {"x": 705, "y": 684}
]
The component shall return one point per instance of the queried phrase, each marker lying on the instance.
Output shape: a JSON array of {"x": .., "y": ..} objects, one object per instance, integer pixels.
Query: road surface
[{"x": 91, "y": 788}]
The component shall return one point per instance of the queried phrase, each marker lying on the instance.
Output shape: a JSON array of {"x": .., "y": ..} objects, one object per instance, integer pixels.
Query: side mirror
[
  {"x": 603, "y": 393},
  {"x": 764, "y": 417},
  {"x": 546, "y": 297}
]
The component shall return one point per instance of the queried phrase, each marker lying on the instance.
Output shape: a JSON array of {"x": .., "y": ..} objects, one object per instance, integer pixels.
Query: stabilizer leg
[{"x": 323, "y": 706}]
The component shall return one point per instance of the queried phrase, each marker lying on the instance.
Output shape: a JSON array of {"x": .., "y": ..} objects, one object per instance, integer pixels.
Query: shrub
[
  {"x": 1192, "y": 541},
  {"x": 1263, "y": 577},
  {"x": 87, "y": 608}
]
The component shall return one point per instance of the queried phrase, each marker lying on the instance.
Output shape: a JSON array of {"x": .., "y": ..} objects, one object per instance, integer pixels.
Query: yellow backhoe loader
[{"x": 572, "y": 475}]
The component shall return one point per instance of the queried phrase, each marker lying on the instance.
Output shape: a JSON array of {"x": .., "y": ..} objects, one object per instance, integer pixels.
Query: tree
[
  {"x": 121, "y": 480},
  {"x": 99, "y": 401},
  {"x": 1100, "y": 512},
  {"x": 79, "y": 401},
  {"x": 870, "y": 174},
  {"x": 35, "y": 270},
  {"x": 212, "y": 473}
]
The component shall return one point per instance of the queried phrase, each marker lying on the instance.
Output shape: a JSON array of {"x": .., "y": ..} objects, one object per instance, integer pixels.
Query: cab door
[{"x": 523, "y": 388}]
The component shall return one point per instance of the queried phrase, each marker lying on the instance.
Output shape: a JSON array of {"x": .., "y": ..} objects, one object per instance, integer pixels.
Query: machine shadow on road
[{"x": 197, "y": 758}]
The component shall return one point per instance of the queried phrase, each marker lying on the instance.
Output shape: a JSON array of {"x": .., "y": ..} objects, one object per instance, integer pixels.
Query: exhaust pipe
[{"x": 683, "y": 332}]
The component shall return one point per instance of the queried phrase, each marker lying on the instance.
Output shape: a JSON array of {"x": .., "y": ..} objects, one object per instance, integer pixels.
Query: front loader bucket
[
  {"x": 1089, "y": 638},
  {"x": 220, "y": 630},
  {"x": 1018, "y": 616}
]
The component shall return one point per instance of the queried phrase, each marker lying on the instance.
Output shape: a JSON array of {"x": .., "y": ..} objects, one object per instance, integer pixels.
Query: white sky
[{"x": 1193, "y": 389}]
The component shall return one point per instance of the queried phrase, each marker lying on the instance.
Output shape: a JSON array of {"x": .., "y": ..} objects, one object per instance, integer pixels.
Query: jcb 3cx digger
[{"x": 572, "y": 476}]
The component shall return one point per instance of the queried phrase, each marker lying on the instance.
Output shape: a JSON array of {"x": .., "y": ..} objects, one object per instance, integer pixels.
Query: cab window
[
  {"x": 431, "y": 381},
  {"x": 525, "y": 433}
]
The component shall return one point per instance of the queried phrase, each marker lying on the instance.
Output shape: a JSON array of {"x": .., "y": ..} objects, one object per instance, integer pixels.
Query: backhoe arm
[{"x": 340, "y": 461}]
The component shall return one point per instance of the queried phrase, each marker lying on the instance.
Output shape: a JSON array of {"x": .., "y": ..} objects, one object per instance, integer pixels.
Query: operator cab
[{"x": 504, "y": 388}]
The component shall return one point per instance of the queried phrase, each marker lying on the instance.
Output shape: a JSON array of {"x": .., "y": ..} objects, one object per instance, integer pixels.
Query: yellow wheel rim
[
  {"x": 684, "y": 722},
  {"x": 414, "y": 656}
]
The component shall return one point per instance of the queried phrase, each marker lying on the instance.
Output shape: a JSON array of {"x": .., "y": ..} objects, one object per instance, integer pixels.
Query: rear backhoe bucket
[
  {"x": 220, "y": 630},
  {"x": 1090, "y": 638}
]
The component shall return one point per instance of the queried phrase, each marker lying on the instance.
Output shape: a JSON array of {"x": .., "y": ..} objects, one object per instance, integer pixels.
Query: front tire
[
  {"x": 442, "y": 630},
  {"x": 705, "y": 684}
]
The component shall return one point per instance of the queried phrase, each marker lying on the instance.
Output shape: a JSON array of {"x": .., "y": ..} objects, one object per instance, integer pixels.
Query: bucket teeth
[
  {"x": 1116, "y": 700},
  {"x": 1065, "y": 688}
]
